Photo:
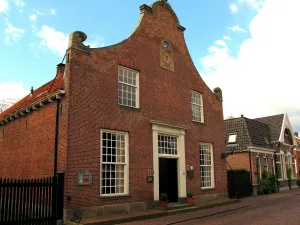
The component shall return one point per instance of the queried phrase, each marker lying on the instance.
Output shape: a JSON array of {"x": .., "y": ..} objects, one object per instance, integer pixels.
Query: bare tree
[
  {"x": 5, "y": 103},
  {"x": 229, "y": 117}
]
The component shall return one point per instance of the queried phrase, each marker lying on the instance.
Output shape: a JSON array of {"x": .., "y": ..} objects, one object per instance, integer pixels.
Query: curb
[
  {"x": 230, "y": 210},
  {"x": 161, "y": 214}
]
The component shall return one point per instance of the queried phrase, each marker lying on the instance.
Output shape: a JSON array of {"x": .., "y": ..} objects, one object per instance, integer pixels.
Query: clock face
[{"x": 167, "y": 45}]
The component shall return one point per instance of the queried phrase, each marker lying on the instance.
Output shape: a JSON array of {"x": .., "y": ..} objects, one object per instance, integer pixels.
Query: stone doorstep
[{"x": 153, "y": 213}]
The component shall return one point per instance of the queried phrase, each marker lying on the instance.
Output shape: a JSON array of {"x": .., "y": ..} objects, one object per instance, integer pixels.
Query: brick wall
[
  {"x": 92, "y": 93},
  {"x": 239, "y": 161},
  {"x": 27, "y": 146}
]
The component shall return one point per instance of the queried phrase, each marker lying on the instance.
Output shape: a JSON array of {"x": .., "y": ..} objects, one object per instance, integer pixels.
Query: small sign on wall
[{"x": 84, "y": 178}]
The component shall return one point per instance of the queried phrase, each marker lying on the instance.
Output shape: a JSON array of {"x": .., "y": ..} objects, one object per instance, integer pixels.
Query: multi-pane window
[
  {"x": 206, "y": 165},
  {"x": 273, "y": 165},
  {"x": 280, "y": 165},
  {"x": 197, "y": 107},
  {"x": 128, "y": 87},
  {"x": 265, "y": 164},
  {"x": 167, "y": 145},
  {"x": 258, "y": 167},
  {"x": 114, "y": 163},
  {"x": 290, "y": 161}
]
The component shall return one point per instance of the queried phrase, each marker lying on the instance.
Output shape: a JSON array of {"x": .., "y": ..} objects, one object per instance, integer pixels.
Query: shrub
[
  {"x": 163, "y": 197},
  {"x": 267, "y": 183},
  {"x": 298, "y": 182},
  {"x": 190, "y": 194}
]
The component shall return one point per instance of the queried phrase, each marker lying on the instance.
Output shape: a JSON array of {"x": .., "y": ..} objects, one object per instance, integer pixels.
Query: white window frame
[
  {"x": 232, "y": 138},
  {"x": 259, "y": 162},
  {"x": 273, "y": 165},
  {"x": 266, "y": 164},
  {"x": 212, "y": 172},
  {"x": 294, "y": 172},
  {"x": 126, "y": 164},
  {"x": 282, "y": 164},
  {"x": 136, "y": 86},
  {"x": 200, "y": 107}
]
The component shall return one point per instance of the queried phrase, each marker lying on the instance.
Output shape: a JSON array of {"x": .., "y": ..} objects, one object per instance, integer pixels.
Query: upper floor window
[
  {"x": 197, "y": 107},
  {"x": 128, "y": 87}
]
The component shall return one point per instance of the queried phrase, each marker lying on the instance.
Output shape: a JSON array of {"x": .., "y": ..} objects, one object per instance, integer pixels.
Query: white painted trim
[
  {"x": 33, "y": 106},
  {"x": 167, "y": 124},
  {"x": 282, "y": 129},
  {"x": 159, "y": 127},
  {"x": 262, "y": 151},
  {"x": 212, "y": 168},
  {"x": 126, "y": 165}
]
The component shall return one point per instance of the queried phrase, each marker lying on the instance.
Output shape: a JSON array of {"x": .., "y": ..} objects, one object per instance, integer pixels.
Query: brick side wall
[
  {"x": 239, "y": 161},
  {"x": 27, "y": 147},
  {"x": 92, "y": 84}
]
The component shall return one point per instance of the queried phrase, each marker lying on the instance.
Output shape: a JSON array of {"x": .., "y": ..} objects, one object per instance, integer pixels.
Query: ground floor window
[
  {"x": 258, "y": 167},
  {"x": 266, "y": 164},
  {"x": 114, "y": 163},
  {"x": 206, "y": 165},
  {"x": 280, "y": 165}
]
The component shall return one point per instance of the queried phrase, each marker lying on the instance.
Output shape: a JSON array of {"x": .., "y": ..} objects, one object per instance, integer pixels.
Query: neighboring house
[
  {"x": 261, "y": 144},
  {"x": 127, "y": 113},
  {"x": 297, "y": 153}
]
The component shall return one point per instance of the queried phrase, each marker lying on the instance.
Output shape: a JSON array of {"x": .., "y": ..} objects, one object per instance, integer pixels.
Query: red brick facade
[{"x": 91, "y": 104}]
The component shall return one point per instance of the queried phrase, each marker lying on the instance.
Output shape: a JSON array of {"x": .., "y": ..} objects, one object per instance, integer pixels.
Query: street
[{"x": 282, "y": 211}]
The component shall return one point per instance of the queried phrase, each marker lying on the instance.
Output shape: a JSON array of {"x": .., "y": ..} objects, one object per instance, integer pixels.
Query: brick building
[
  {"x": 127, "y": 113},
  {"x": 262, "y": 144},
  {"x": 297, "y": 153}
]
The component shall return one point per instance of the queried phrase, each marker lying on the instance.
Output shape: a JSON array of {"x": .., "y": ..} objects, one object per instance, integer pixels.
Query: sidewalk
[{"x": 198, "y": 211}]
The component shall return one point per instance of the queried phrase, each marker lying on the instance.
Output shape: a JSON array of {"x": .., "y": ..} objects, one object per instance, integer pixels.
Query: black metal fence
[
  {"x": 35, "y": 201},
  {"x": 238, "y": 184}
]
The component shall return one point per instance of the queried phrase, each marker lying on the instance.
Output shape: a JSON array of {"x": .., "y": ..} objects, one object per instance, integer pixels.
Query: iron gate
[{"x": 31, "y": 201}]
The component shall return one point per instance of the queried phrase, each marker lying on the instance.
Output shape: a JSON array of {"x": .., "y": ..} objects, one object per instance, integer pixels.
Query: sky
[{"x": 248, "y": 48}]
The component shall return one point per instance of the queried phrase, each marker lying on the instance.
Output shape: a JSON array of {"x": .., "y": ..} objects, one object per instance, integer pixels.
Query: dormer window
[{"x": 232, "y": 138}]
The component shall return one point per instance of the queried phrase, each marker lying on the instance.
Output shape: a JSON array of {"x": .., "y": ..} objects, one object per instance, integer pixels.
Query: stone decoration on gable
[
  {"x": 218, "y": 93},
  {"x": 166, "y": 56},
  {"x": 76, "y": 40}
]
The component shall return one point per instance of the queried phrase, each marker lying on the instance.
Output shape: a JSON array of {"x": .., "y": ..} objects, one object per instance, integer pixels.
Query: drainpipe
[
  {"x": 56, "y": 134},
  {"x": 251, "y": 171}
]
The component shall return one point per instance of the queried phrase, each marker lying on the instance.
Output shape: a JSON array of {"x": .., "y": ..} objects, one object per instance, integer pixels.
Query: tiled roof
[
  {"x": 259, "y": 133},
  {"x": 275, "y": 124},
  {"x": 249, "y": 133},
  {"x": 37, "y": 95}
]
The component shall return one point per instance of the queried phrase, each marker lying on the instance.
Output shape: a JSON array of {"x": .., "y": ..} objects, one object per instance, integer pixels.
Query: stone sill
[{"x": 119, "y": 197}]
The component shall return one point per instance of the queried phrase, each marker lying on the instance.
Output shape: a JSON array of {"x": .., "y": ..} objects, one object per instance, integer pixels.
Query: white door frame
[{"x": 159, "y": 127}]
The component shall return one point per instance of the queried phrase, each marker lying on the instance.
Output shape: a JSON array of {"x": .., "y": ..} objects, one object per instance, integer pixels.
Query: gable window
[
  {"x": 206, "y": 166},
  {"x": 232, "y": 138},
  {"x": 128, "y": 87},
  {"x": 197, "y": 107},
  {"x": 114, "y": 163}
]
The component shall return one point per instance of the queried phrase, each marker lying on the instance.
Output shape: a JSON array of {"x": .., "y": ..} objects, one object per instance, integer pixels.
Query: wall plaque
[{"x": 84, "y": 178}]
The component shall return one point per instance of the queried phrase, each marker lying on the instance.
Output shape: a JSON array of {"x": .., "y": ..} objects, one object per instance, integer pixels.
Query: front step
[{"x": 176, "y": 206}]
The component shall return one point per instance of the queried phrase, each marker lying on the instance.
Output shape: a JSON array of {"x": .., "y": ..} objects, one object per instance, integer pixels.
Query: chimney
[
  {"x": 60, "y": 69},
  {"x": 296, "y": 134},
  {"x": 242, "y": 115}
]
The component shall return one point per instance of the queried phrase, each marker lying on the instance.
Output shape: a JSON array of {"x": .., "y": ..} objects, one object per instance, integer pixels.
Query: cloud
[
  {"x": 52, "y": 11},
  {"x": 54, "y": 40},
  {"x": 12, "y": 34},
  {"x": 33, "y": 17},
  {"x": 227, "y": 38},
  {"x": 221, "y": 43},
  {"x": 262, "y": 78},
  {"x": 237, "y": 28},
  {"x": 12, "y": 90},
  {"x": 233, "y": 8},
  {"x": 57, "y": 41},
  {"x": 20, "y": 4},
  {"x": 4, "y": 6},
  {"x": 254, "y": 4}
]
